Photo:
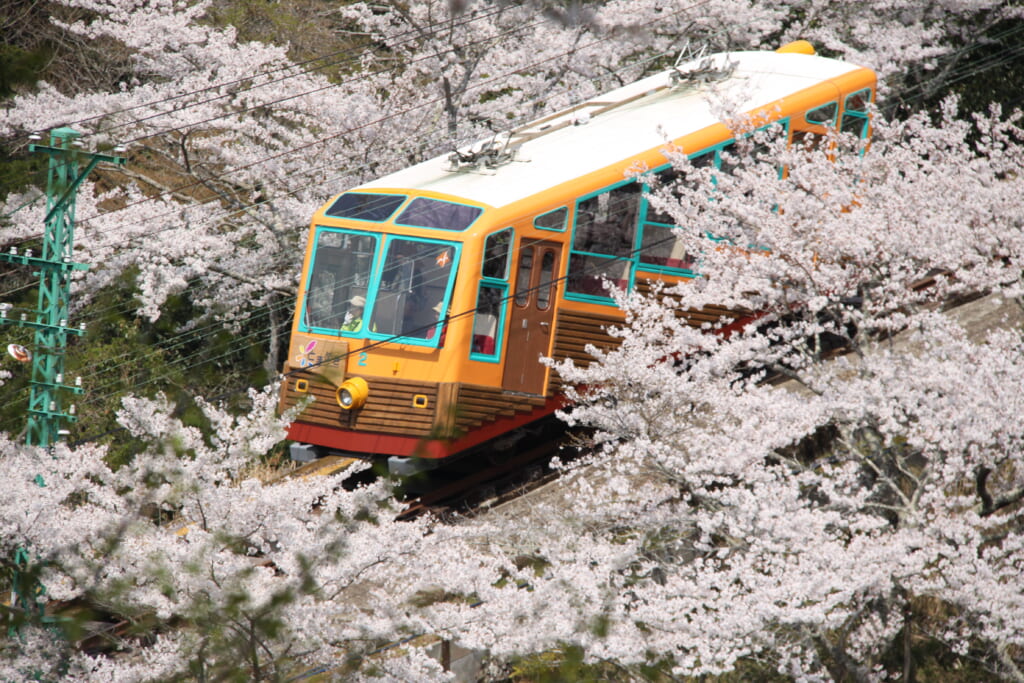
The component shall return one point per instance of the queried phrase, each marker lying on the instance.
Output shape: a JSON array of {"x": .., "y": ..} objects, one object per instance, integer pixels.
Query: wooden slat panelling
[
  {"x": 577, "y": 329},
  {"x": 694, "y": 317},
  {"x": 389, "y": 407},
  {"x": 478, "y": 404}
]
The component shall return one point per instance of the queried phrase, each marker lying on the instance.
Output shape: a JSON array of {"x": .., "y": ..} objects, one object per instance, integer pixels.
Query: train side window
[
  {"x": 660, "y": 246},
  {"x": 497, "y": 250},
  {"x": 825, "y": 115},
  {"x": 602, "y": 246},
  {"x": 606, "y": 222},
  {"x": 552, "y": 220},
  {"x": 492, "y": 297},
  {"x": 523, "y": 276},
  {"x": 666, "y": 179},
  {"x": 855, "y": 113},
  {"x": 725, "y": 161},
  {"x": 809, "y": 133},
  {"x": 547, "y": 279},
  {"x": 488, "y": 322}
]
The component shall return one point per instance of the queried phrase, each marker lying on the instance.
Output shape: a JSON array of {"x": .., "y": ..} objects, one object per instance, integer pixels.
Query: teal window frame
[
  {"x": 371, "y": 295},
  {"x": 630, "y": 259},
  {"x": 634, "y": 260},
  {"x": 398, "y": 207},
  {"x": 501, "y": 288},
  {"x": 501, "y": 285},
  {"x": 798, "y": 137},
  {"x": 852, "y": 115},
  {"x": 717, "y": 165},
  {"x": 830, "y": 122},
  {"x": 320, "y": 230},
  {"x": 565, "y": 220},
  {"x": 507, "y": 267},
  {"x": 406, "y": 206}
]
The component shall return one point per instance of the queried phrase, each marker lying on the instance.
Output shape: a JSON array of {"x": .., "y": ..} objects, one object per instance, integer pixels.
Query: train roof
[{"x": 618, "y": 125}]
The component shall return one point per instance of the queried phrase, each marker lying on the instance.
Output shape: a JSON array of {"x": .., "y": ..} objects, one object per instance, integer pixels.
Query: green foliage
[
  {"x": 562, "y": 666},
  {"x": 121, "y": 354},
  {"x": 309, "y": 28},
  {"x": 993, "y": 71},
  {"x": 538, "y": 564},
  {"x": 19, "y": 171},
  {"x": 425, "y": 598},
  {"x": 20, "y": 67}
]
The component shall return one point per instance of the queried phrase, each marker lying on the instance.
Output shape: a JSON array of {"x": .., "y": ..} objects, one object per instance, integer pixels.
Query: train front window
[
  {"x": 338, "y": 281},
  {"x": 424, "y": 212},
  {"x": 413, "y": 289},
  {"x": 365, "y": 206}
]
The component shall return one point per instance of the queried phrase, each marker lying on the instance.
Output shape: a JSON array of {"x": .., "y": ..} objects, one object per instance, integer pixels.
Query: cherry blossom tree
[
  {"x": 231, "y": 142},
  {"x": 837, "y": 486},
  {"x": 919, "y": 48},
  {"x": 210, "y": 572},
  {"x": 818, "y": 493}
]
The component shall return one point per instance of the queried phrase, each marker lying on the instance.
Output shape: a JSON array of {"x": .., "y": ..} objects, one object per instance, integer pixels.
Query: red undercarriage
[{"x": 390, "y": 444}]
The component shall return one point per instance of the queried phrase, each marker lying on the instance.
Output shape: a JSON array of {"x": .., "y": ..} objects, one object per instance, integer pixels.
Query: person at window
[
  {"x": 444, "y": 324},
  {"x": 354, "y": 317}
]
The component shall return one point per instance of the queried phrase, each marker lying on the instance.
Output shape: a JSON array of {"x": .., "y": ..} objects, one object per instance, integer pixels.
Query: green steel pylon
[{"x": 46, "y": 412}]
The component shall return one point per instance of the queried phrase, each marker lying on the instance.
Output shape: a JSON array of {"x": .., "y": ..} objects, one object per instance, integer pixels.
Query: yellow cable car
[{"x": 429, "y": 296}]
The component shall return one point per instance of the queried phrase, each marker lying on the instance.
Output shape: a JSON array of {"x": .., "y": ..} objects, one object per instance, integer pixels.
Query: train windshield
[
  {"x": 339, "y": 280},
  {"x": 379, "y": 286},
  {"x": 413, "y": 290}
]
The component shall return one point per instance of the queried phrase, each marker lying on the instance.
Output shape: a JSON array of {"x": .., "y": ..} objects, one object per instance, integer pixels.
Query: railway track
[
  {"x": 484, "y": 479},
  {"x": 489, "y": 486}
]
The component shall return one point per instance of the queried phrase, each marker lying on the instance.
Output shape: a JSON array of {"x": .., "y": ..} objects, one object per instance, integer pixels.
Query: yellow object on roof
[{"x": 800, "y": 47}]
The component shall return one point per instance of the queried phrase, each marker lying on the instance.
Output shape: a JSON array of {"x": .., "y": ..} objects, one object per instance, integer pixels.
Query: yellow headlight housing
[{"x": 352, "y": 393}]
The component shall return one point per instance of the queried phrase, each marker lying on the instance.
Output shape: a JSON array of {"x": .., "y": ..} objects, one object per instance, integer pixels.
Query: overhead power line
[{"x": 242, "y": 81}]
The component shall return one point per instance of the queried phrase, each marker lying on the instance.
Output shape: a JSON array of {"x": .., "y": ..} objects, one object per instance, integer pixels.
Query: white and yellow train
[{"x": 428, "y": 296}]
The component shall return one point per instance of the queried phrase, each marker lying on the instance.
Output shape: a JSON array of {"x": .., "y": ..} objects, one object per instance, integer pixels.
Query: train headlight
[{"x": 352, "y": 393}]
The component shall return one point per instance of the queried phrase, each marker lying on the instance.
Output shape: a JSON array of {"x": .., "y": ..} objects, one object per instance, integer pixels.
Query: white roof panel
[{"x": 644, "y": 123}]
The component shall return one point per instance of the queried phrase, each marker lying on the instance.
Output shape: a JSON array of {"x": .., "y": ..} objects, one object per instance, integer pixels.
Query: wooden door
[{"x": 532, "y": 316}]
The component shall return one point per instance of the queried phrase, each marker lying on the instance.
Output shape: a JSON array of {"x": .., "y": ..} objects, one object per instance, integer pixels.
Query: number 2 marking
[{"x": 362, "y": 359}]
